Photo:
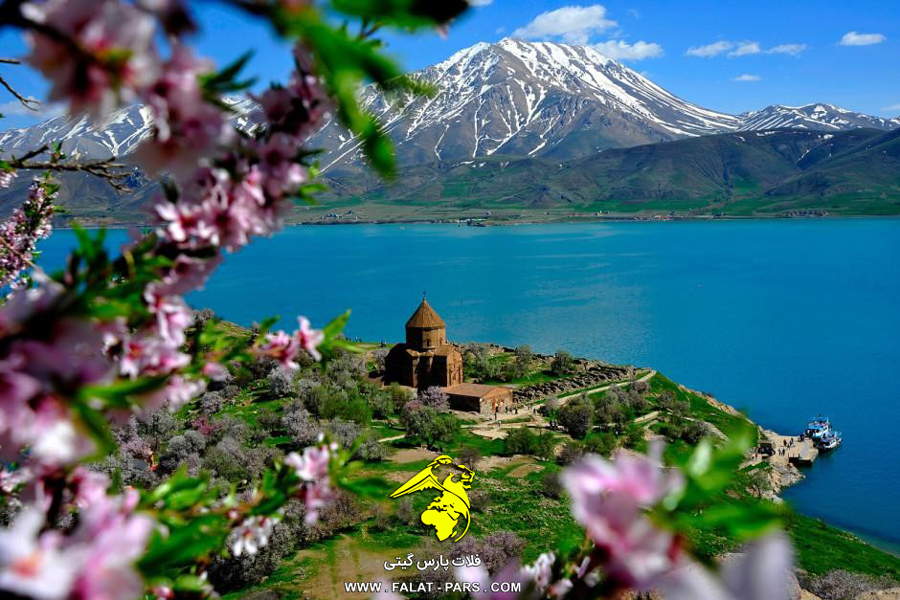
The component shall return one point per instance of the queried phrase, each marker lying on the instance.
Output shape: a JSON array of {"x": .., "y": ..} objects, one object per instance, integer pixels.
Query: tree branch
[
  {"x": 113, "y": 172},
  {"x": 26, "y": 102}
]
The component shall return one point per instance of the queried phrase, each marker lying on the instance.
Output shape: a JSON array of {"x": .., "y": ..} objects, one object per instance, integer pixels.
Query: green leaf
[
  {"x": 336, "y": 326},
  {"x": 225, "y": 81},
  {"x": 184, "y": 544},
  {"x": 406, "y": 14},
  {"x": 97, "y": 426}
]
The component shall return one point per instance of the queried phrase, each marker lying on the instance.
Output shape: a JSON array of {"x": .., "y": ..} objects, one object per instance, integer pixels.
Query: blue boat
[
  {"x": 818, "y": 427},
  {"x": 830, "y": 441}
]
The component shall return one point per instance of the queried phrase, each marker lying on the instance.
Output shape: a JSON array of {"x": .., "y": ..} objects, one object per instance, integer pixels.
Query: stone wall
[{"x": 589, "y": 374}]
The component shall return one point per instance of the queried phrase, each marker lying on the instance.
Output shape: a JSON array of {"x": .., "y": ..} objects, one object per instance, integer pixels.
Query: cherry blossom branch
[{"x": 104, "y": 169}]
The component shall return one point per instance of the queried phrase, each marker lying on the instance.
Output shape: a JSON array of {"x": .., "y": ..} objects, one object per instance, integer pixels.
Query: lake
[{"x": 785, "y": 319}]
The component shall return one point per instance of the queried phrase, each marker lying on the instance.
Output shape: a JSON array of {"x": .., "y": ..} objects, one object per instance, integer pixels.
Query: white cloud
[
  {"x": 573, "y": 24},
  {"x": 622, "y": 50},
  {"x": 853, "y": 38},
  {"x": 747, "y": 77},
  {"x": 892, "y": 107},
  {"x": 710, "y": 50},
  {"x": 479, "y": 2},
  {"x": 745, "y": 49},
  {"x": 792, "y": 49},
  {"x": 44, "y": 111}
]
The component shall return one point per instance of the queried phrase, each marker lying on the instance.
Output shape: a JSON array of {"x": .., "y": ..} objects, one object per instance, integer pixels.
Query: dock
[{"x": 790, "y": 449}]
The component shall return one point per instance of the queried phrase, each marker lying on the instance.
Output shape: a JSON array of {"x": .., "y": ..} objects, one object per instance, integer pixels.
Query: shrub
[
  {"x": 279, "y": 383},
  {"x": 380, "y": 357},
  {"x": 524, "y": 441},
  {"x": 299, "y": 424},
  {"x": 406, "y": 514},
  {"x": 340, "y": 405},
  {"x": 229, "y": 426},
  {"x": 435, "y": 398},
  {"x": 694, "y": 431},
  {"x": 602, "y": 444},
  {"x": 576, "y": 417},
  {"x": 269, "y": 419},
  {"x": 519, "y": 441},
  {"x": 399, "y": 396},
  {"x": 428, "y": 426},
  {"x": 842, "y": 585},
  {"x": 343, "y": 432},
  {"x": 469, "y": 456},
  {"x": 551, "y": 486},
  {"x": 570, "y": 453},
  {"x": 562, "y": 363},
  {"x": 379, "y": 401},
  {"x": 210, "y": 403},
  {"x": 371, "y": 451},
  {"x": 479, "y": 499}
]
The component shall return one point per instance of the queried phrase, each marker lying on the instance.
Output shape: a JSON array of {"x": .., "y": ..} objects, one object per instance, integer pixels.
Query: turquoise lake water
[{"x": 784, "y": 319}]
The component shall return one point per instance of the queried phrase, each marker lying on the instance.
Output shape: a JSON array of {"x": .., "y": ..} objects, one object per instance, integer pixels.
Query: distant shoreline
[{"x": 517, "y": 222}]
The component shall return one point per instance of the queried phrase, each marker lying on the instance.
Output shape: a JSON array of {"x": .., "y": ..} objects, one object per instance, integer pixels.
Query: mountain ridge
[
  {"x": 511, "y": 97},
  {"x": 515, "y": 102}
]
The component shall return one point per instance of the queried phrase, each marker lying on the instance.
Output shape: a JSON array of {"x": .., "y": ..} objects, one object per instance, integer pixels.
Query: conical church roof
[{"x": 425, "y": 318}]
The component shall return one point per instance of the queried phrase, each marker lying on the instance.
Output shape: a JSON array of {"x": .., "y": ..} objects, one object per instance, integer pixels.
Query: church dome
[{"x": 425, "y": 318}]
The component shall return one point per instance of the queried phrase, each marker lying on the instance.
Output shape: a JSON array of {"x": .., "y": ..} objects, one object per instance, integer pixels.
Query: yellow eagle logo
[{"x": 446, "y": 511}]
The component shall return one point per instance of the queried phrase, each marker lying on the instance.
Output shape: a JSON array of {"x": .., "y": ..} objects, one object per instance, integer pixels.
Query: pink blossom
[
  {"x": 112, "y": 57},
  {"x": 6, "y": 178},
  {"x": 21, "y": 232},
  {"x": 298, "y": 108},
  {"x": 312, "y": 469},
  {"x": 111, "y": 537},
  {"x": 215, "y": 371},
  {"x": 251, "y": 535},
  {"x": 187, "y": 127},
  {"x": 282, "y": 174},
  {"x": 187, "y": 224},
  {"x": 761, "y": 572},
  {"x": 308, "y": 338},
  {"x": 33, "y": 564},
  {"x": 10, "y": 480},
  {"x": 608, "y": 498},
  {"x": 640, "y": 478},
  {"x": 187, "y": 274},
  {"x": 283, "y": 348},
  {"x": 315, "y": 496},
  {"x": 147, "y": 355},
  {"x": 172, "y": 315},
  {"x": 312, "y": 465}
]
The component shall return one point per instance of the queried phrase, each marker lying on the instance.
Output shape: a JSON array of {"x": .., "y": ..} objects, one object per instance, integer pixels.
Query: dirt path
[{"x": 646, "y": 377}]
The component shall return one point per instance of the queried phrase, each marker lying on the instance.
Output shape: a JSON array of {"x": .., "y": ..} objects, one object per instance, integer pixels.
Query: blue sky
[{"x": 727, "y": 56}]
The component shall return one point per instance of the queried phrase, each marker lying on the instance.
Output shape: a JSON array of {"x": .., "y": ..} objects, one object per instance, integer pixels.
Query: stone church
[{"x": 426, "y": 359}]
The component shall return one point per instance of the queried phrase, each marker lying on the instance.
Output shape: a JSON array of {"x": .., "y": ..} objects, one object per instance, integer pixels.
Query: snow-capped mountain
[
  {"x": 528, "y": 99},
  {"x": 118, "y": 136},
  {"x": 511, "y": 98},
  {"x": 812, "y": 116}
]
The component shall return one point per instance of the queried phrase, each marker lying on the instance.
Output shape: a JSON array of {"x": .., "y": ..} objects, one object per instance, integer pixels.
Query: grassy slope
[{"x": 516, "y": 503}]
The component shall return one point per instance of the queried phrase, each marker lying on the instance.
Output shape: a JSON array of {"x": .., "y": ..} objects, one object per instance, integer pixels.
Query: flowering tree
[{"x": 110, "y": 335}]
